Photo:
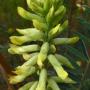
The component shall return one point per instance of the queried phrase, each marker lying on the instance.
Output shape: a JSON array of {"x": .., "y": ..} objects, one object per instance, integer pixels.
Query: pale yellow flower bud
[{"x": 23, "y": 49}]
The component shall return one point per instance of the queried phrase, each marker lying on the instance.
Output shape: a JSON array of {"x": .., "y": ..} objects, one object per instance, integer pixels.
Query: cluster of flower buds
[{"x": 46, "y": 16}]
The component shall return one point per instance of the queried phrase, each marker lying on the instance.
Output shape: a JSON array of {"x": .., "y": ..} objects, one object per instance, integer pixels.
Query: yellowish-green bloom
[
  {"x": 64, "y": 61},
  {"x": 53, "y": 32},
  {"x": 27, "y": 15},
  {"x": 19, "y": 40},
  {"x": 35, "y": 7},
  {"x": 67, "y": 80},
  {"x": 58, "y": 67},
  {"x": 52, "y": 48},
  {"x": 50, "y": 15},
  {"x": 31, "y": 32},
  {"x": 53, "y": 85},
  {"x": 26, "y": 86},
  {"x": 21, "y": 76},
  {"x": 33, "y": 87},
  {"x": 27, "y": 56},
  {"x": 59, "y": 41},
  {"x": 42, "y": 80},
  {"x": 43, "y": 54},
  {"x": 23, "y": 49},
  {"x": 32, "y": 61},
  {"x": 16, "y": 79},
  {"x": 40, "y": 25}
]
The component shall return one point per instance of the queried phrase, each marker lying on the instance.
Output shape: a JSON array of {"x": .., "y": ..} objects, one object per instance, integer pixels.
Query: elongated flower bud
[
  {"x": 62, "y": 27},
  {"x": 53, "y": 32},
  {"x": 52, "y": 84},
  {"x": 65, "y": 24},
  {"x": 27, "y": 56},
  {"x": 16, "y": 79},
  {"x": 50, "y": 14},
  {"x": 40, "y": 25},
  {"x": 23, "y": 49},
  {"x": 57, "y": 2},
  {"x": 27, "y": 15},
  {"x": 32, "y": 33},
  {"x": 29, "y": 31},
  {"x": 19, "y": 40},
  {"x": 42, "y": 80},
  {"x": 21, "y": 70},
  {"x": 34, "y": 86},
  {"x": 59, "y": 10},
  {"x": 67, "y": 80},
  {"x": 60, "y": 41},
  {"x": 26, "y": 65},
  {"x": 52, "y": 48},
  {"x": 26, "y": 86},
  {"x": 46, "y": 6},
  {"x": 34, "y": 7},
  {"x": 57, "y": 66},
  {"x": 21, "y": 77},
  {"x": 43, "y": 54},
  {"x": 64, "y": 61},
  {"x": 59, "y": 17}
]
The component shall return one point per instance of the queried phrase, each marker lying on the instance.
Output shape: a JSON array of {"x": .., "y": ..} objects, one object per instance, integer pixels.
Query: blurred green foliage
[{"x": 8, "y": 13}]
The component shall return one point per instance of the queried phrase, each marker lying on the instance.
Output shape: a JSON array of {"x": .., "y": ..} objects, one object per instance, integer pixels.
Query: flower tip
[
  {"x": 76, "y": 38},
  {"x": 16, "y": 79},
  {"x": 40, "y": 64},
  {"x": 19, "y": 8},
  {"x": 19, "y": 31},
  {"x": 10, "y": 51},
  {"x": 65, "y": 75},
  {"x": 15, "y": 40}
]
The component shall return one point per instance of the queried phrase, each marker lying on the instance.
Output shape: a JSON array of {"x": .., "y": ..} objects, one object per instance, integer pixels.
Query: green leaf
[
  {"x": 76, "y": 53},
  {"x": 83, "y": 37}
]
